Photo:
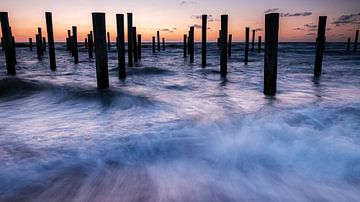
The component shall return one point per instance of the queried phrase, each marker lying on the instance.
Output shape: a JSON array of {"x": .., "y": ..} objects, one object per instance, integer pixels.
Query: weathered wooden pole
[
  {"x": 90, "y": 45},
  {"x": 253, "y": 41},
  {"x": 230, "y": 44},
  {"x": 75, "y": 45},
  {"x": 348, "y": 44},
  {"x": 2, "y": 44},
  {"x": 320, "y": 45},
  {"x": 203, "y": 39},
  {"x": 86, "y": 43},
  {"x": 130, "y": 39},
  {"x": 192, "y": 45},
  {"x": 271, "y": 52},
  {"x": 14, "y": 49},
  {"x": 99, "y": 29},
  {"x": 68, "y": 40},
  {"x": 246, "y": 59},
  {"x": 163, "y": 43},
  {"x": 158, "y": 40},
  {"x": 51, "y": 44},
  {"x": 136, "y": 58},
  {"x": 188, "y": 42},
  {"x": 30, "y": 44},
  {"x": 224, "y": 44},
  {"x": 259, "y": 44},
  {"x": 8, "y": 44},
  {"x": 44, "y": 44},
  {"x": 184, "y": 45},
  {"x": 108, "y": 41},
  {"x": 38, "y": 47},
  {"x": 218, "y": 40},
  {"x": 121, "y": 45},
  {"x": 139, "y": 46},
  {"x": 356, "y": 39},
  {"x": 153, "y": 44},
  {"x": 40, "y": 41}
]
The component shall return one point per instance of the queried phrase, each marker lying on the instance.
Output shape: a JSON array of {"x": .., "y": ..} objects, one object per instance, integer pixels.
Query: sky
[{"x": 174, "y": 17}]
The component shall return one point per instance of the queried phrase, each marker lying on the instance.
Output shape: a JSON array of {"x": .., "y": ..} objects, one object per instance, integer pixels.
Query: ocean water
[{"x": 173, "y": 131}]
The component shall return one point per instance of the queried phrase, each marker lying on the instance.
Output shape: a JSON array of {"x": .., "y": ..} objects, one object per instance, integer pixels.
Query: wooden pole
[
  {"x": 38, "y": 47},
  {"x": 68, "y": 40},
  {"x": 247, "y": 30},
  {"x": 271, "y": 50},
  {"x": 108, "y": 41},
  {"x": 44, "y": 44},
  {"x": 86, "y": 43},
  {"x": 139, "y": 46},
  {"x": 101, "y": 58},
  {"x": 224, "y": 44},
  {"x": 30, "y": 44},
  {"x": 8, "y": 44},
  {"x": 14, "y": 48},
  {"x": 259, "y": 44},
  {"x": 356, "y": 39},
  {"x": 253, "y": 41},
  {"x": 75, "y": 44},
  {"x": 90, "y": 45},
  {"x": 218, "y": 41},
  {"x": 121, "y": 45},
  {"x": 136, "y": 59},
  {"x": 130, "y": 39},
  {"x": 153, "y": 44},
  {"x": 40, "y": 41},
  {"x": 158, "y": 40},
  {"x": 184, "y": 45},
  {"x": 50, "y": 34},
  {"x": 2, "y": 44},
  {"x": 230, "y": 44},
  {"x": 203, "y": 39},
  {"x": 320, "y": 45},
  {"x": 163, "y": 43},
  {"x": 192, "y": 45},
  {"x": 348, "y": 44}
]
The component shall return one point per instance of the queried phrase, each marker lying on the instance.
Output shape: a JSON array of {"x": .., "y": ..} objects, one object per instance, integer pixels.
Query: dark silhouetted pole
[
  {"x": 356, "y": 39},
  {"x": 184, "y": 45},
  {"x": 271, "y": 50},
  {"x": 158, "y": 40},
  {"x": 218, "y": 40},
  {"x": 136, "y": 59},
  {"x": 246, "y": 45},
  {"x": 101, "y": 58},
  {"x": 90, "y": 45},
  {"x": 38, "y": 47},
  {"x": 203, "y": 40},
  {"x": 320, "y": 45},
  {"x": 153, "y": 44},
  {"x": 130, "y": 40},
  {"x": 259, "y": 44},
  {"x": 253, "y": 41},
  {"x": 223, "y": 45},
  {"x": 191, "y": 45},
  {"x": 108, "y": 40},
  {"x": 50, "y": 34},
  {"x": 44, "y": 44},
  {"x": 2, "y": 44},
  {"x": 30, "y": 44},
  {"x": 230, "y": 44},
  {"x": 75, "y": 45},
  {"x": 40, "y": 41},
  {"x": 8, "y": 44},
  {"x": 14, "y": 49},
  {"x": 86, "y": 43},
  {"x": 163, "y": 43},
  {"x": 68, "y": 40},
  {"x": 121, "y": 45},
  {"x": 139, "y": 46},
  {"x": 348, "y": 44}
]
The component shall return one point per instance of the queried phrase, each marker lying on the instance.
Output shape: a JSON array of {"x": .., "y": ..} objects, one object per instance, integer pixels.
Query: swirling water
[{"x": 173, "y": 131}]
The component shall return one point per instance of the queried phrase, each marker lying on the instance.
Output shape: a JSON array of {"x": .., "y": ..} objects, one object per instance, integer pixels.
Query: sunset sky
[{"x": 173, "y": 18}]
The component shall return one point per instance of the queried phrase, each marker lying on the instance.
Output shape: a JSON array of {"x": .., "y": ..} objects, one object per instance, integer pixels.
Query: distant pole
[
  {"x": 356, "y": 39},
  {"x": 90, "y": 45},
  {"x": 99, "y": 29},
  {"x": 121, "y": 45},
  {"x": 184, "y": 45},
  {"x": 253, "y": 41},
  {"x": 135, "y": 45},
  {"x": 230, "y": 44},
  {"x": 192, "y": 45},
  {"x": 68, "y": 40},
  {"x": 158, "y": 40},
  {"x": 139, "y": 46},
  {"x": 86, "y": 43},
  {"x": 153, "y": 44},
  {"x": 44, "y": 44},
  {"x": 130, "y": 40},
  {"x": 246, "y": 45},
  {"x": 38, "y": 47},
  {"x": 218, "y": 40},
  {"x": 30, "y": 44},
  {"x": 75, "y": 45},
  {"x": 163, "y": 43},
  {"x": 348, "y": 44},
  {"x": 320, "y": 45},
  {"x": 108, "y": 41},
  {"x": 259, "y": 44},
  {"x": 8, "y": 44},
  {"x": 50, "y": 34},
  {"x": 203, "y": 39},
  {"x": 224, "y": 44},
  {"x": 40, "y": 41},
  {"x": 271, "y": 50}
]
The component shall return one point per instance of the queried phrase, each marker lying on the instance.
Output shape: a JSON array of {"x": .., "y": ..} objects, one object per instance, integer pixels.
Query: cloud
[
  {"x": 347, "y": 19},
  {"x": 182, "y": 3},
  {"x": 197, "y": 26},
  {"x": 168, "y": 30},
  {"x": 259, "y": 29},
  {"x": 199, "y": 17},
  {"x": 271, "y": 10},
  {"x": 300, "y": 14},
  {"x": 310, "y": 26},
  {"x": 311, "y": 34},
  {"x": 298, "y": 29}
]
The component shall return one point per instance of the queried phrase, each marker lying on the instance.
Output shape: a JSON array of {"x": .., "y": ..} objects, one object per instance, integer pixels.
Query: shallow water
[{"x": 173, "y": 131}]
